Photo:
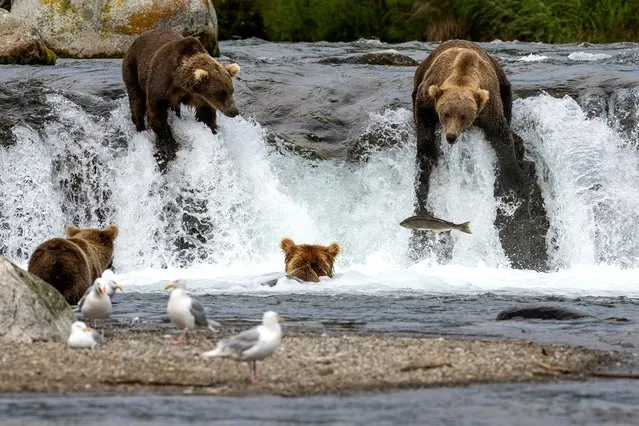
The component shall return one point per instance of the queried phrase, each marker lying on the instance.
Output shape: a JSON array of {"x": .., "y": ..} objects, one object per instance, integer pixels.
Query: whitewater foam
[{"x": 241, "y": 195}]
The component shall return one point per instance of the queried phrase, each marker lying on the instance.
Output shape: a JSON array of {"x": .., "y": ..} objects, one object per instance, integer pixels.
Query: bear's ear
[
  {"x": 200, "y": 74},
  {"x": 333, "y": 249},
  {"x": 233, "y": 69},
  {"x": 287, "y": 245},
  {"x": 71, "y": 230},
  {"x": 434, "y": 92},
  {"x": 481, "y": 97},
  {"x": 190, "y": 46},
  {"x": 111, "y": 232}
]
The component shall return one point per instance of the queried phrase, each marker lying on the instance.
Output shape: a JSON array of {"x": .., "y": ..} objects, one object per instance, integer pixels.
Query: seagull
[
  {"x": 83, "y": 337},
  {"x": 96, "y": 302},
  {"x": 186, "y": 311},
  {"x": 251, "y": 345}
]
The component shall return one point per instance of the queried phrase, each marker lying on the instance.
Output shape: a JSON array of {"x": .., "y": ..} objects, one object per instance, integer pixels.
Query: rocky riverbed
[{"x": 305, "y": 364}]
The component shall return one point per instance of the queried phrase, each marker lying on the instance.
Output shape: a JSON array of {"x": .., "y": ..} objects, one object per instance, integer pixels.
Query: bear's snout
[
  {"x": 451, "y": 138},
  {"x": 232, "y": 112}
]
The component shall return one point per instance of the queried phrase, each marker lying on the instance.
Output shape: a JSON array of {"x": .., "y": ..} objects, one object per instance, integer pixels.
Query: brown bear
[
  {"x": 308, "y": 262},
  {"x": 163, "y": 70},
  {"x": 72, "y": 264},
  {"x": 458, "y": 85}
]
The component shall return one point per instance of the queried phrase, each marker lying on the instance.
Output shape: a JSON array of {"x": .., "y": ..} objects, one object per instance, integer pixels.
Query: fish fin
[{"x": 465, "y": 227}]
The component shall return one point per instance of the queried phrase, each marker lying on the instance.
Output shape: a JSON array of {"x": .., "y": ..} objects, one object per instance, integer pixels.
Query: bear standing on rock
[
  {"x": 72, "y": 264},
  {"x": 459, "y": 85},
  {"x": 162, "y": 70}
]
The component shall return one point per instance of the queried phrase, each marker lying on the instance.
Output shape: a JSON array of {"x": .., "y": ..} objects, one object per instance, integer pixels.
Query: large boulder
[
  {"x": 99, "y": 28},
  {"x": 30, "y": 309},
  {"x": 20, "y": 42}
]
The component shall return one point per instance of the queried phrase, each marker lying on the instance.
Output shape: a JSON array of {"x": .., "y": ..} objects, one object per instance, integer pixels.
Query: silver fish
[{"x": 426, "y": 222}]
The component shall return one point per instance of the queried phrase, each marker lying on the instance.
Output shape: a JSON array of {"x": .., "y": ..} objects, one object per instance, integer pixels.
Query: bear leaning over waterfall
[
  {"x": 459, "y": 84},
  {"x": 162, "y": 70},
  {"x": 456, "y": 86}
]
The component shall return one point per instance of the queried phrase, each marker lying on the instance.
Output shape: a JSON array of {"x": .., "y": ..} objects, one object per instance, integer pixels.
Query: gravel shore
[{"x": 305, "y": 364}]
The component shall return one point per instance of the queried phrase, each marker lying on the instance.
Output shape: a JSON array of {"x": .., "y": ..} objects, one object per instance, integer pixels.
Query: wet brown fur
[
  {"x": 73, "y": 263},
  {"x": 456, "y": 86},
  {"x": 163, "y": 70},
  {"x": 308, "y": 262}
]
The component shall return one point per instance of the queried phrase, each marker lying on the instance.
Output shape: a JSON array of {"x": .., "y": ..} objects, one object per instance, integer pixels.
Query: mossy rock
[
  {"x": 106, "y": 29},
  {"x": 32, "y": 54}
]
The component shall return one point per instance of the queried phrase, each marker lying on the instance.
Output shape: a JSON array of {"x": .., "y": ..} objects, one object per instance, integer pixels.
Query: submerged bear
[
  {"x": 459, "y": 85},
  {"x": 163, "y": 70},
  {"x": 308, "y": 262}
]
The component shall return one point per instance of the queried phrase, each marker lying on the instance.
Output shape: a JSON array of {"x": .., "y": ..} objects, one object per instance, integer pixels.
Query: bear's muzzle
[{"x": 232, "y": 112}]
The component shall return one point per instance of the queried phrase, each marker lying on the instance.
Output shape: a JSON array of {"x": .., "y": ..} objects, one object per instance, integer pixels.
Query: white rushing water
[{"x": 245, "y": 194}]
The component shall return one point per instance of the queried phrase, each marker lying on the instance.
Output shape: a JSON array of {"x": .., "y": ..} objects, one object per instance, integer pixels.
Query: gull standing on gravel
[
  {"x": 96, "y": 302},
  {"x": 185, "y": 311},
  {"x": 83, "y": 337},
  {"x": 251, "y": 345}
]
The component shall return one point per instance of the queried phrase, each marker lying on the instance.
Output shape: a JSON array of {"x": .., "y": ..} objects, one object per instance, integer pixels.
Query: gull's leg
[
  {"x": 254, "y": 378},
  {"x": 180, "y": 340}
]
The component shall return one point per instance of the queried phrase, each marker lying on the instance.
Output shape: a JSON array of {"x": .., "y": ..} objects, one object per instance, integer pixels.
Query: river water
[{"x": 325, "y": 152}]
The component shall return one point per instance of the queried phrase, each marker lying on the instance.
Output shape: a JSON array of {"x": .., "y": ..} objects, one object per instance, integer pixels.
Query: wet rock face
[
  {"x": 20, "y": 42},
  {"x": 523, "y": 234},
  {"x": 23, "y": 104},
  {"x": 544, "y": 312},
  {"x": 92, "y": 28},
  {"x": 383, "y": 57},
  {"x": 30, "y": 309}
]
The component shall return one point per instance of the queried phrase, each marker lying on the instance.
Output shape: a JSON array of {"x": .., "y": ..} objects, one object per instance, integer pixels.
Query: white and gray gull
[
  {"x": 251, "y": 345},
  {"x": 185, "y": 311},
  {"x": 96, "y": 302},
  {"x": 83, "y": 337}
]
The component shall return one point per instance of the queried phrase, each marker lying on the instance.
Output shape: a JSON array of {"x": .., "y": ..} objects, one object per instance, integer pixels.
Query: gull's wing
[
  {"x": 84, "y": 296},
  {"x": 97, "y": 337},
  {"x": 243, "y": 341},
  {"x": 197, "y": 310}
]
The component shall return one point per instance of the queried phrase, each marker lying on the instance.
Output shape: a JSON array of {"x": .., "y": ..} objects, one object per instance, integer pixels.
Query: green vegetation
[{"x": 550, "y": 21}]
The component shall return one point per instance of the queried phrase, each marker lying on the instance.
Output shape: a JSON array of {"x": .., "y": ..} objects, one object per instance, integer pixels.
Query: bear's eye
[
  {"x": 221, "y": 96},
  {"x": 463, "y": 117},
  {"x": 447, "y": 115}
]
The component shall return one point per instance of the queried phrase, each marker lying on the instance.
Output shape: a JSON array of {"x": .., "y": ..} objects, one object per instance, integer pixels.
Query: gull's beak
[
  {"x": 281, "y": 318},
  {"x": 100, "y": 291},
  {"x": 169, "y": 286},
  {"x": 119, "y": 287},
  {"x": 87, "y": 329}
]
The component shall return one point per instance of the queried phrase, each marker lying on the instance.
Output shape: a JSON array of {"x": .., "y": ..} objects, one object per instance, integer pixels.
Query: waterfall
[{"x": 229, "y": 198}]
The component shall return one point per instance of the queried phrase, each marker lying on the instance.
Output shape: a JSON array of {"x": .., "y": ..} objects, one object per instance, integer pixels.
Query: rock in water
[
  {"x": 30, "y": 309},
  {"x": 382, "y": 57},
  {"x": 544, "y": 312},
  {"x": 92, "y": 28},
  {"x": 20, "y": 42}
]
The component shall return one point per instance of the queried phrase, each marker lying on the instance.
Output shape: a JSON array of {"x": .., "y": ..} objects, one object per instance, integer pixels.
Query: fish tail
[{"x": 465, "y": 227}]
